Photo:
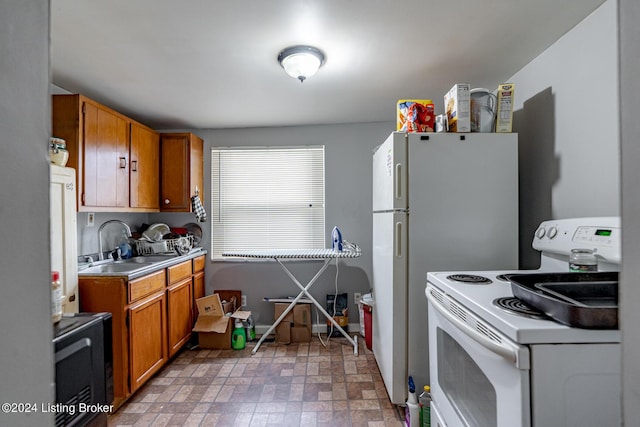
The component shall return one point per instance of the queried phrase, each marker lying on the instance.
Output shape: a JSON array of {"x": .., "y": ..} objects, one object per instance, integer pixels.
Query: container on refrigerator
[{"x": 436, "y": 197}]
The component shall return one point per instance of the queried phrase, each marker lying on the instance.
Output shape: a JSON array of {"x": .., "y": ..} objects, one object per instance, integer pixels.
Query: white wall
[
  {"x": 629, "y": 31},
  {"x": 26, "y": 352},
  {"x": 566, "y": 114}
]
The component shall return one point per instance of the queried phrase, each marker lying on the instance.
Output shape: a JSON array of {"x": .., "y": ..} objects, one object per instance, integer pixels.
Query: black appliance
[{"x": 83, "y": 369}]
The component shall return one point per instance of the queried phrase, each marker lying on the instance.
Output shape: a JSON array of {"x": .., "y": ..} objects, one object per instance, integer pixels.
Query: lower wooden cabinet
[
  {"x": 198, "y": 291},
  {"x": 152, "y": 318},
  {"x": 179, "y": 309},
  {"x": 147, "y": 339},
  {"x": 198, "y": 285}
]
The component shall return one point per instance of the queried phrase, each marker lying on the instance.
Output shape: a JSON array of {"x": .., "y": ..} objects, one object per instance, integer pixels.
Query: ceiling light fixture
[{"x": 301, "y": 62}]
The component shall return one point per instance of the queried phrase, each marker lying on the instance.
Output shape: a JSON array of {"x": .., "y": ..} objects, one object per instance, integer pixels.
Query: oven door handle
[{"x": 503, "y": 348}]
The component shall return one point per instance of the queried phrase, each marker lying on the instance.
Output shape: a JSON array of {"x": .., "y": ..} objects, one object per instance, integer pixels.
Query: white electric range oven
[{"x": 492, "y": 365}]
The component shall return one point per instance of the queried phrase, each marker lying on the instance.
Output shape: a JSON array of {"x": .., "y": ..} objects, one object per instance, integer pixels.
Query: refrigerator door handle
[
  {"x": 398, "y": 180},
  {"x": 398, "y": 239}
]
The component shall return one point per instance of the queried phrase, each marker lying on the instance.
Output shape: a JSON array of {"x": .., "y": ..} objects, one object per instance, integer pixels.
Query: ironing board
[{"x": 326, "y": 255}]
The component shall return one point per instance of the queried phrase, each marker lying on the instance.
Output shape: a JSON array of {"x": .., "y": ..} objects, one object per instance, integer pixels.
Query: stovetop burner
[
  {"x": 502, "y": 277},
  {"x": 515, "y": 306},
  {"x": 470, "y": 279}
]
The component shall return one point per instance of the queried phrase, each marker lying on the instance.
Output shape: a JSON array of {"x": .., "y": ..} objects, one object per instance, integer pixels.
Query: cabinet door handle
[
  {"x": 123, "y": 162},
  {"x": 167, "y": 201},
  {"x": 134, "y": 166}
]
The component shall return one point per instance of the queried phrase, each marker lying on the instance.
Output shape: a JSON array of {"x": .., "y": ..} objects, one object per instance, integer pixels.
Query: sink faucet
[{"x": 126, "y": 227}]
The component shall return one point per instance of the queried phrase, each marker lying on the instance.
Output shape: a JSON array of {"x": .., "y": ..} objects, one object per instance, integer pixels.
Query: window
[{"x": 267, "y": 198}]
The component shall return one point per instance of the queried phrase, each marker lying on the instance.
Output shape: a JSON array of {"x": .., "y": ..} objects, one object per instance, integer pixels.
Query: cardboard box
[
  {"x": 504, "y": 116},
  {"x": 230, "y": 300},
  {"x": 214, "y": 328},
  {"x": 296, "y": 326},
  {"x": 457, "y": 106},
  {"x": 415, "y": 115},
  {"x": 217, "y": 340}
]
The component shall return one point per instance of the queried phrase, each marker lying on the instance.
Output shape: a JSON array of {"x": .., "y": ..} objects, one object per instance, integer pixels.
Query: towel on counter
[{"x": 198, "y": 209}]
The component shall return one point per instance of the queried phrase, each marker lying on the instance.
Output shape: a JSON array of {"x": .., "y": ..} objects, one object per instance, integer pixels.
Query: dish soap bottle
[
  {"x": 425, "y": 407},
  {"x": 239, "y": 336},
  {"x": 125, "y": 248},
  {"x": 412, "y": 410}
]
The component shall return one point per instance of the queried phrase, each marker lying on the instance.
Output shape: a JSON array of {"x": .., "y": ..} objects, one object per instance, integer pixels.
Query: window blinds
[{"x": 267, "y": 198}]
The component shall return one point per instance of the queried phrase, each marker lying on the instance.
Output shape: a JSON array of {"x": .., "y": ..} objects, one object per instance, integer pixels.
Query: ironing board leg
[
  {"x": 295, "y": 300},
  {"x": 317, "y": 304}
]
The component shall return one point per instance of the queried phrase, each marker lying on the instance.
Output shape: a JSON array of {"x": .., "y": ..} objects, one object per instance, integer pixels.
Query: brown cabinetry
[
  {"x": 145, "y": 168},
  {"x": 148, "y": 343},
  {"x": 152, "y": 318},
  {"x": 198, "y": 283},
  {"x": 139, "y": 324},
  {"x": 179, "y": 305},
  {"x": 116, "y": 158},
  {"x": 179, "y": 300},
  {"x": 181, "y": 171}
]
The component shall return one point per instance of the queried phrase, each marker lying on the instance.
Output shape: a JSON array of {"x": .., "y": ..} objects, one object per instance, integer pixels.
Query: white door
[
  {"x": 389, "y": 326},
  {"x": 390, "y": 174},
  {"x": 63, "y": 234}
]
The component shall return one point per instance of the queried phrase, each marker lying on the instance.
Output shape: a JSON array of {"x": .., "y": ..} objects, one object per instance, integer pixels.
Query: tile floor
[{"x": 301, "y": 384}]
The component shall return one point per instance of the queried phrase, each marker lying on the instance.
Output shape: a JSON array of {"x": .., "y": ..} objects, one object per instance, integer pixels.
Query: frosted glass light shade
[{"x": 301, "y": 62}]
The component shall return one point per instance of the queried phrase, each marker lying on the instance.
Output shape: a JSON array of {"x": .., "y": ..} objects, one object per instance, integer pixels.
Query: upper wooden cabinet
[
  {"x": 181, "y": 171},
  {"x": 116, "y": 158},
  {"x": 145, "y": 168}
]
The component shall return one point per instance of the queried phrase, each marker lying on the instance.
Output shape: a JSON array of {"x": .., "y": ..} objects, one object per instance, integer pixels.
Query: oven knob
[
  {"x": 540, "y": 233},
  {"x": 553, "y": 231}
]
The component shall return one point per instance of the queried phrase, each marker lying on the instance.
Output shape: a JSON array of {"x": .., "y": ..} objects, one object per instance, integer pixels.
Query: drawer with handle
[{"x": 147, "y": 285}]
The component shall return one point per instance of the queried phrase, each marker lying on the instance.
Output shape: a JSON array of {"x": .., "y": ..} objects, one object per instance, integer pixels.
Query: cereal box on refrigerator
[
  {"x": 504, "y": 117},
  {"x": 457, "y": 108},
  {"x": 416, "y": 115}
]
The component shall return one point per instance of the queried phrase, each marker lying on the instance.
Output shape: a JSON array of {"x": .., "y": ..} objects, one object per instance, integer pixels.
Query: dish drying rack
[{"x": 168, "y": 246}]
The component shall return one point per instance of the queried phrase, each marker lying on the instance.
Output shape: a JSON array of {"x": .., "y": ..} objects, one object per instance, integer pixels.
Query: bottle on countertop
[
  {"x": 412, "y": 410},
  {"x": 583, "y": 261},
  {"x": 56, "y": 297},
  {"x": 425, "y": 407},
  {"x": 126, "y": 251}
]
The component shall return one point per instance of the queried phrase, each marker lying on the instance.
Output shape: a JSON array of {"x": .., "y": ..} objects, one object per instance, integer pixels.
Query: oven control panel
[{"x": 560, "y": 236}]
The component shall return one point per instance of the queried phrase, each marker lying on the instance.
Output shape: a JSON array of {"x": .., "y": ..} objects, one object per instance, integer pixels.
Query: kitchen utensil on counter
[
  {"x": 581, "y": 300},
  {"x": 483, "y": 110},
  {"x": 171, "y": 236},
  {"x": 195, "y": 230},
  {"x": 155, "y": 232},
  {"x": 179, "y": 230},
  {"x": 152, "y": 235},
  {"x": 182, "y": 245}
]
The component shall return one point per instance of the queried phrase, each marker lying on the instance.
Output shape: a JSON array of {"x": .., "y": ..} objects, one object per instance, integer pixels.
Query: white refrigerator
[{"x": 441, "y": 201}]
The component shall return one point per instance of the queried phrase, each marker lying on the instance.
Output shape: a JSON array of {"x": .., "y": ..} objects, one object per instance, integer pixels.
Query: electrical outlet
[
  {"x": 91, "y": 217},
  {"x": 244, "y": 301},
  {"x": 356, "y": 297}
]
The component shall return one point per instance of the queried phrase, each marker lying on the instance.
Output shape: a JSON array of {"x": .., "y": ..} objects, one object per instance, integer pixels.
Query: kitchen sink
[
  {"x": 131, "y": 267},
  {"x": 127, "y": 267}
]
